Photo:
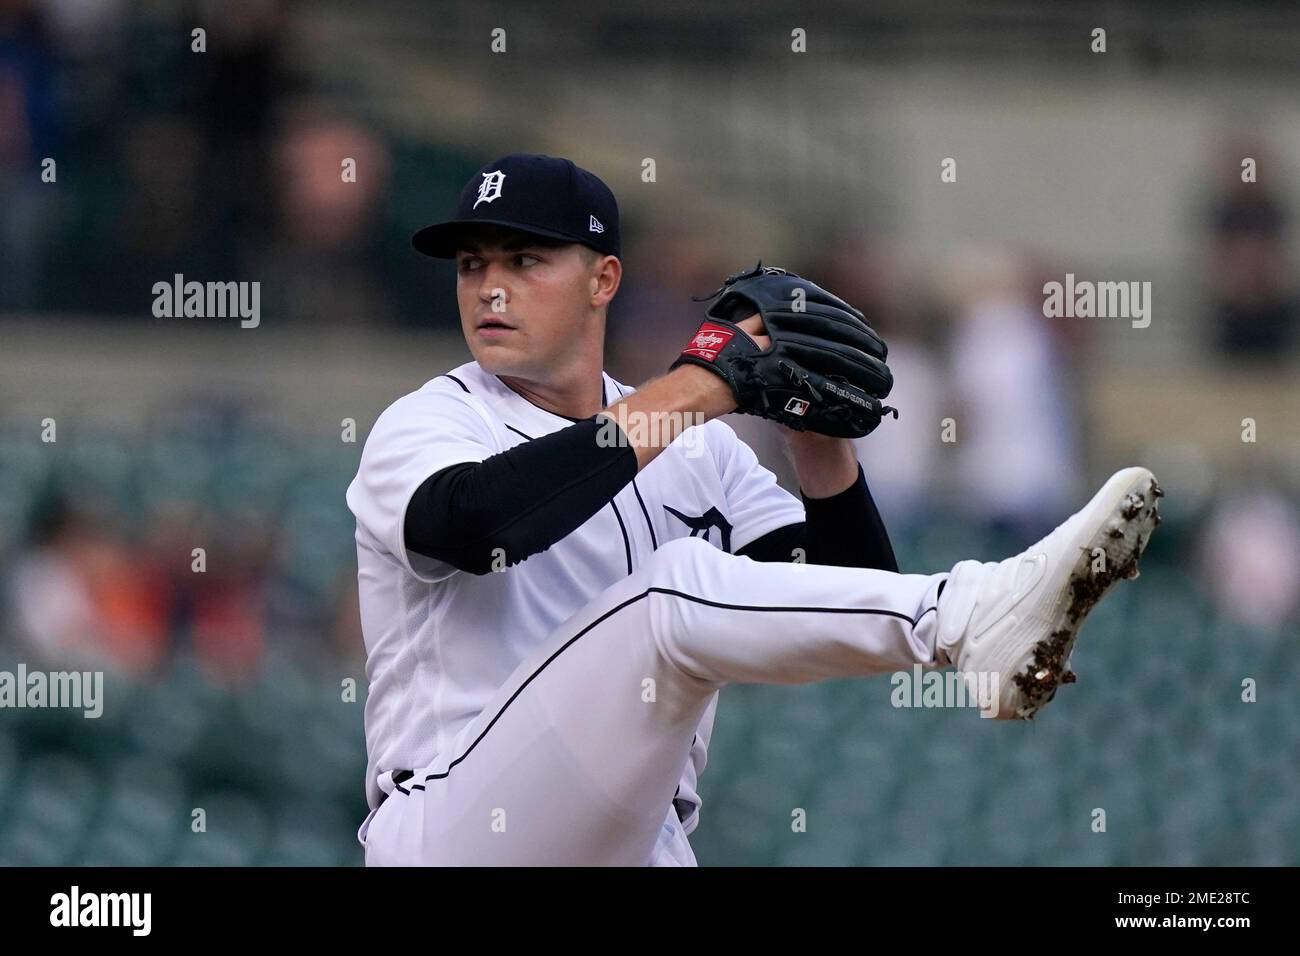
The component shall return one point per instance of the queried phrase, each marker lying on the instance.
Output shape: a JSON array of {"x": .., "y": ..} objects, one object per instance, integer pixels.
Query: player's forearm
[
  {"x": 844, "y": 530},
  {"x": 844, "y": 526},
  {"x": 656, "y": 413},
  {"x": 825, "y": 466}
]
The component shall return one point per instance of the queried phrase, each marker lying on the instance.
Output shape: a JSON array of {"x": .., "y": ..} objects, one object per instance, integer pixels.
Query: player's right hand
[{"x": 753, "y": 327}]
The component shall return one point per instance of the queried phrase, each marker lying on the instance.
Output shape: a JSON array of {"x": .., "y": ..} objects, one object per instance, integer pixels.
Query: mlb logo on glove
[{"x": 796, "y": 406}]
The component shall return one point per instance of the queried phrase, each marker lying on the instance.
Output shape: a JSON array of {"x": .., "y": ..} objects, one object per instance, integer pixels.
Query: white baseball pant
[{"x": 576, "y": 759}]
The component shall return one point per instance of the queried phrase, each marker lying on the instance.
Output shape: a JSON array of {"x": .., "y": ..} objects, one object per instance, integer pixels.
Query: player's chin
[{"x": 498, "y": 358}]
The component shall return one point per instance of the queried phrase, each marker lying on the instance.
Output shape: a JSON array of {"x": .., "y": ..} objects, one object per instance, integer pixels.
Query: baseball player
[{"x": 558, "y": 572}]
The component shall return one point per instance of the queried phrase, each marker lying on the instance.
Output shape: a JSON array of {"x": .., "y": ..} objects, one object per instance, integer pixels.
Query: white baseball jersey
[{"x": 440, "y": 642}]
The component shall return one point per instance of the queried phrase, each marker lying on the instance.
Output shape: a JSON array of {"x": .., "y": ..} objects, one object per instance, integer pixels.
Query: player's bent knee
[
  {"x": 679, "y": 570},
  {"x": 674, "y": 562}
]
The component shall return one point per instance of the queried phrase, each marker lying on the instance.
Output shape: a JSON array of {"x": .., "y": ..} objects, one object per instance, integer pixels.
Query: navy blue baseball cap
[{"x": 544, "y": 195}]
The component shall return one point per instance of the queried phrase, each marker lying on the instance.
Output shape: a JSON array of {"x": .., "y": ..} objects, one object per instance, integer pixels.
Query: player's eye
[
  {"x": 468, "y": 263},
  {"x": 526, "y": 255}
]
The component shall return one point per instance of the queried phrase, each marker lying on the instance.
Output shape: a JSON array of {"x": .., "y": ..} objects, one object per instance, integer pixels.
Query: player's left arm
[
  {"x": 826, "y": 466},
  {"x": 840, "y": 524}
]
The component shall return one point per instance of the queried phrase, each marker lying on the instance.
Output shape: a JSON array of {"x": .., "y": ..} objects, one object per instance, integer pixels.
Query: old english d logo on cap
[
  {"x": 544, "y": 195},
  {"x": 490, "y": 188}
]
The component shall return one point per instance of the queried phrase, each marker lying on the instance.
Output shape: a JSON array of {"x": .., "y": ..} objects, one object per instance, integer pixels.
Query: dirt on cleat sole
[{"x": 1122, "y": 542}]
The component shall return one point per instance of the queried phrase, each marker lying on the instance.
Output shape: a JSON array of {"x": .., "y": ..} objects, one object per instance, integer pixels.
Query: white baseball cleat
[{"x": 1016, "y": 621}]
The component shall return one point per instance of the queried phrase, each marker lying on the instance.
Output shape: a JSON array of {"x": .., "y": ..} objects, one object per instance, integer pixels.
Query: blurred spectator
[
  {"x": 1253, "y": 296},
  {"x": 28, "y": 126},
  {"x": 1017, "y": 464},
  {"x": 1249, "y": 560},
  {"x": 218, "y": 613},
  {"x": 326, "y": 258},
  {"x": 163, "y": 224},
  {"x": 241, "y": 81},
  {"x": 81, "y": 599}
]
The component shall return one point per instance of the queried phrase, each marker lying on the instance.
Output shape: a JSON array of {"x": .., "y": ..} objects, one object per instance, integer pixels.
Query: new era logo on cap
[{"x": 548, "y": 196}]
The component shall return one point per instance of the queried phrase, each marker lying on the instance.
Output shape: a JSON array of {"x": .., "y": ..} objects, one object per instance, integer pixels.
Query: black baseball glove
[{"x": 825, "y": 370}]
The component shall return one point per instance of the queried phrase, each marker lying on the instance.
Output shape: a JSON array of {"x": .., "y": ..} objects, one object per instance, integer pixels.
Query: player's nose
[{"x": 493, "y": 284}]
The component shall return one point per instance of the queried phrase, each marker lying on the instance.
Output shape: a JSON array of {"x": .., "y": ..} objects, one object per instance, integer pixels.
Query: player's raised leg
[{"x": 576, "y": 759}]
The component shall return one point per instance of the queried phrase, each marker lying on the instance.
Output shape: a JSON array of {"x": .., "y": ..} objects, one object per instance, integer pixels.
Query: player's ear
[{"x": 605, "y": 280}]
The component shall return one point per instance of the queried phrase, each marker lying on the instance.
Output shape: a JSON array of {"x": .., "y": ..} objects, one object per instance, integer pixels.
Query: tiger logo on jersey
[{"x": 700, "y": 524}]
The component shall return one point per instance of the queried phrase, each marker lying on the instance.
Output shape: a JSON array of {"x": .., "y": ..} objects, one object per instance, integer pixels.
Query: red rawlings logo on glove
[{"x": 708, "y": 341}]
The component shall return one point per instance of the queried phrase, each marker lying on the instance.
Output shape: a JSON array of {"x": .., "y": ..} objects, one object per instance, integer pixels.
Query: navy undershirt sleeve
[
  {"x": 519, "y": 502},
  {"x": 844, "y": 530},
  {"x": 479, "y": 515}
]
